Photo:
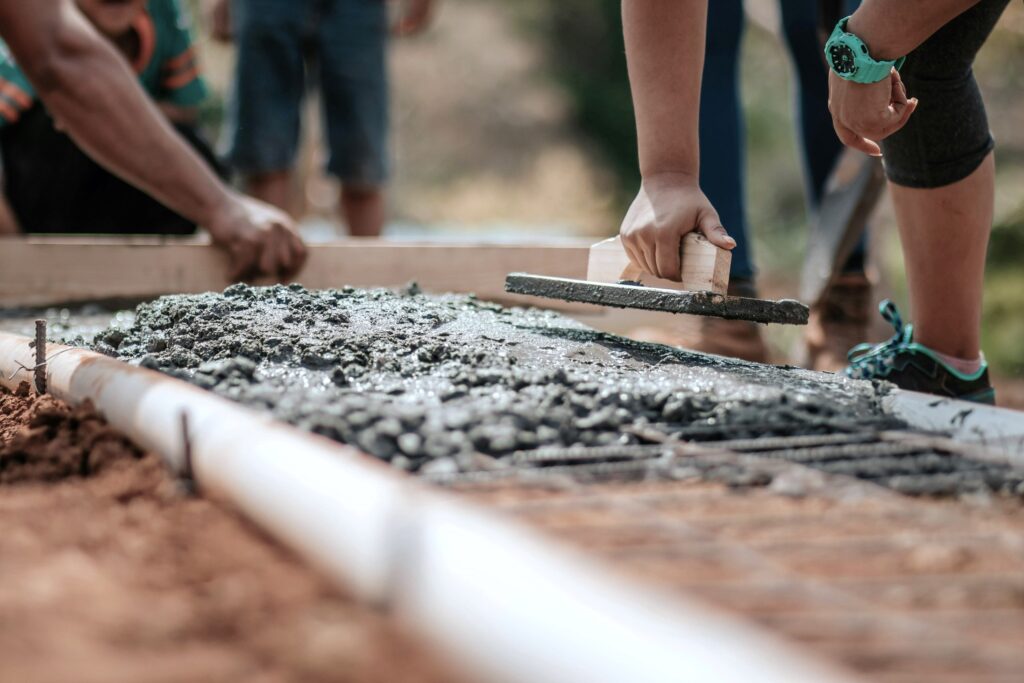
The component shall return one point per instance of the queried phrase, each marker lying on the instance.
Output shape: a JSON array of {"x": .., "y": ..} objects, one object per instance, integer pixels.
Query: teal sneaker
[{"x": 915, "y": 367}]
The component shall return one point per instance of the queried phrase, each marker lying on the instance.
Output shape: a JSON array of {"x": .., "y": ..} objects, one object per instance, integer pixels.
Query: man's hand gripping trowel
[{"x": 613, "y": 280}]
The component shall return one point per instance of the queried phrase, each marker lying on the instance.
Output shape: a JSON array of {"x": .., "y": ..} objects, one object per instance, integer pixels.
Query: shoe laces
[{"x": 876, "y": 360}]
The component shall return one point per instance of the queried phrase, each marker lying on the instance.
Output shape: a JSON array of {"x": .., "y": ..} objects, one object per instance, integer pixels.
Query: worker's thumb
[{"x": 711, "y": 226}]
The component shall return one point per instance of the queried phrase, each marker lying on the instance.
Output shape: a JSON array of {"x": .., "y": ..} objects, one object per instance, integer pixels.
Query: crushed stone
[{"x": 441, "y": 381}]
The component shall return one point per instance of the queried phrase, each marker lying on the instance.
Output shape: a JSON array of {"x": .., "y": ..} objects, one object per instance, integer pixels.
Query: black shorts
[
  {"x": 948, "y": 136},
  {"x": 53, "y": 187}
]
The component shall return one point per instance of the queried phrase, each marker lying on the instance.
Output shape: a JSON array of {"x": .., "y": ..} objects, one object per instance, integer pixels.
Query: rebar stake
[
  {"x": 188, "y": 481},
  {"x": 40, "y": 368}
]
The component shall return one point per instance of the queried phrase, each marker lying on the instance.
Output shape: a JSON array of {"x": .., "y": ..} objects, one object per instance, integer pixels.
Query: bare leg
[
  {"x": 363, "y": 210},
  {"x": 945, "y": 235},
  {"x": 273, "y": 188}
]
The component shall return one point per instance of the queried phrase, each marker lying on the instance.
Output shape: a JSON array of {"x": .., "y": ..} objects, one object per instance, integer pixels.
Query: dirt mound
[
  {"x": 120, "y": 576},
  {"x": 43, "y": 439}
]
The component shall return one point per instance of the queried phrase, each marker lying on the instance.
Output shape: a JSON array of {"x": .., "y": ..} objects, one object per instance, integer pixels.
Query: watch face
[{"x": 842, "y": 59}]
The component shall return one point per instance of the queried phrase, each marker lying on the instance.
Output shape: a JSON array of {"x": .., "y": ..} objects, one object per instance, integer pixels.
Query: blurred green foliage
[
  {"x": 1003, "y": 321},
  {"x": 587, "y": 56}
]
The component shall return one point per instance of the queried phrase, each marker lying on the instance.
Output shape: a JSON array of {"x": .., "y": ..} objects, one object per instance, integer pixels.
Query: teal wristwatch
[{"x": 848, "y": 57}]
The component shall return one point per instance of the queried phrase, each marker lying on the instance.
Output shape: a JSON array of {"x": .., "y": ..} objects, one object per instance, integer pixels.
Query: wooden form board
[{"x": 45, "y": 271}]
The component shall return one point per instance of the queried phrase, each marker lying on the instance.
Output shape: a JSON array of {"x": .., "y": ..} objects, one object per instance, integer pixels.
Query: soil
[
  {"x": 893, "y": 587},
  {"x": 46, "y": 440},
  {"x": 443, "y": 385},
  {"x": 110, "y": 571}
]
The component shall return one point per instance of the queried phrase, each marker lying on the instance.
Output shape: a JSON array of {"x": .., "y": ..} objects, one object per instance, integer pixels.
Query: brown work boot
[
  {"x": 732, "y": 338},
  {"x": 837, "y": 324}
]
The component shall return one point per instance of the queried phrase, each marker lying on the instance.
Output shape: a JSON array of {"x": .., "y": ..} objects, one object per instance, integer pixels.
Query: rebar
[{"x": 40, "y": 366}]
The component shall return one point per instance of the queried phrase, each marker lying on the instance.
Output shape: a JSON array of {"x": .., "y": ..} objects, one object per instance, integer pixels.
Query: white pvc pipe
[
  {"x": 999, "y": 431},
  {"x": 506, "y": 603}
]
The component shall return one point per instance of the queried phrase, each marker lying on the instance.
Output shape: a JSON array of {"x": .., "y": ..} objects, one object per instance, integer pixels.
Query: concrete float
[{"x": 498, "y": 599}]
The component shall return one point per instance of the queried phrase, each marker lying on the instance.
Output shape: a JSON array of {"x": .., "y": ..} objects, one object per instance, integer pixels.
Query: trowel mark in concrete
[{"x": 446, "y": 383}]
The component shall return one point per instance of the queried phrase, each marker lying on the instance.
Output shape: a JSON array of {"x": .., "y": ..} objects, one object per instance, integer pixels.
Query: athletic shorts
[
  {"x": 286, "y": 45},
  {"x": 948, "y": 136}
]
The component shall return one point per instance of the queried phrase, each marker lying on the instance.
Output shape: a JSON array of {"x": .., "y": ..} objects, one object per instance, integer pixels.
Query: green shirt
[{"x": 166, "y": 63}]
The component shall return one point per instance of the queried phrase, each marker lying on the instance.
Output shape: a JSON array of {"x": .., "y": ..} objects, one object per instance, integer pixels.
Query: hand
[
  {"x": 219, "y": 12},
  {"x": 259, "y": 239},
  {"x": 865, "y": 113},
  {"x": 668, "y": 206},
  {"x": 414, "y": 16}
]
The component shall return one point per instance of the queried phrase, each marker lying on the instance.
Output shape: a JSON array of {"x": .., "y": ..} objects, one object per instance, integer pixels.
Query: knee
[{"x": 945, "y": 140}]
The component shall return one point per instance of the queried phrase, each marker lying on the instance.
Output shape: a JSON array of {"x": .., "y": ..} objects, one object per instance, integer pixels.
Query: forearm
[
  {"x": 894, "y": 28},
  {"x": 93, "y": 96},
  {"x": 665, "y": 55}
]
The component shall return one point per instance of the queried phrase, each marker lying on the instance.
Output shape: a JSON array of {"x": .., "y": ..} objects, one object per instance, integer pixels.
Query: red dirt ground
[
  {"x": 898, "y": 589},
  {"x": 120, "y": 576}
]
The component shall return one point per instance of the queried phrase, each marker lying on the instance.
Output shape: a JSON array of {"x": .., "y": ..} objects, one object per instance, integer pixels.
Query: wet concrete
[
  {"x": 449, "y": 383},
  {"x": 446, "y": 385},
  {"x": 76, "y": 324}
]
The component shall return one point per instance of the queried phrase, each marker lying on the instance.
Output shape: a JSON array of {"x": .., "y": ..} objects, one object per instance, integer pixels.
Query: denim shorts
[{"x": 286, "y": 45}]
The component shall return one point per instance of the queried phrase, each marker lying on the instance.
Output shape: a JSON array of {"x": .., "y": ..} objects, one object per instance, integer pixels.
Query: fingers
[
  {"x": 632, "y": 252},
  {"x": 642, "y": 254},
  {"x": 863, "y": 114},
  {"x": 851, "y": 139},
  {"x": 267, "y": 254},
  {"x": 243, "y": 256},
  {"x": 711, "y": 226},
  {"x": 666, "y": 256},
  {"x": 282, "y": 253},
  {"x": 634, "y": 233},
  {"x": 667, "y": 207},
  {"x": 899, "y": 91},
  {"x": 302, "y": 254},
  {"x": 900, "y": 108},
  {"x": 270, "y": 253},
  {"x": 905, "y": 110},
  {"x": 298, "y": 253}
]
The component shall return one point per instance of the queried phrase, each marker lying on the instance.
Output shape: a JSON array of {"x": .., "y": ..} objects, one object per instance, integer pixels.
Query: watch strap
[{"x": 868, "y": 69}]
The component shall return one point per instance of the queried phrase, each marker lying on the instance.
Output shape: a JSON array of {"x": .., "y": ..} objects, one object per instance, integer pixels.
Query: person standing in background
[{"x": 342, "y": 46}]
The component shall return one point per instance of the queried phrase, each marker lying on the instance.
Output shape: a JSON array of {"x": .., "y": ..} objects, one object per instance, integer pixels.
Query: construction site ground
[
  {"x": 896, "y": 588},
  {"x": 111, "y": 571},
  {"x": 790, "y": 498}
]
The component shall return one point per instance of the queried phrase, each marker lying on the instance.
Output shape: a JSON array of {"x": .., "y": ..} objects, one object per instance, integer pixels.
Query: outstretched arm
[
  {"x": 665, "y": 54},
  {"x": 93, "y": 95}
]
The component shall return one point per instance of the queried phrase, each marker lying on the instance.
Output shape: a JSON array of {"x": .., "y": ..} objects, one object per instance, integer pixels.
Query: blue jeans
[
  {"x": 721, "y": 118},
  {"x": 281, "y": 44}
]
